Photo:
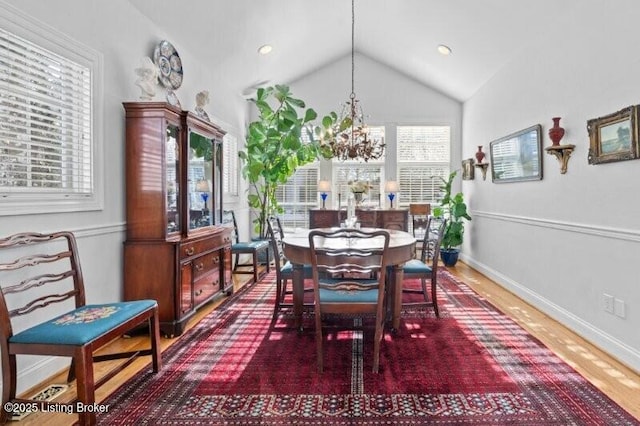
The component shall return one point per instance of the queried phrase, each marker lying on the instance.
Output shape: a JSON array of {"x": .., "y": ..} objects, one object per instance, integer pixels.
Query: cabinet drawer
[
  {"x": 195, "y": 248},
  {"x": 206, "y": 286},
  {"x": 399, "y": 216},
  {"x": 204, "y": 264}
]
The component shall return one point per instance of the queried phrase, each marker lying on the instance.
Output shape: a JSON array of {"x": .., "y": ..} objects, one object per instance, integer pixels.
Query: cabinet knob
[
  {"x": 190, "y": 251},
  {"x": 199, "y": 266},
  {"x": 199, "y": 292},
  {"x": 216, "y": 259}
]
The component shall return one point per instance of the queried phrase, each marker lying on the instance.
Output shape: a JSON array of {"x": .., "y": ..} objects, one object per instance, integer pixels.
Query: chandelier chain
[{"x": 353, "y": 44}]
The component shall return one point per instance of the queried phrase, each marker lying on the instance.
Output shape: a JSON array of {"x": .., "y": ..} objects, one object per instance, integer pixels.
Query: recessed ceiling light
[
  {"x": 265, "y": 49},
  {"x": 444, "y": 50}
]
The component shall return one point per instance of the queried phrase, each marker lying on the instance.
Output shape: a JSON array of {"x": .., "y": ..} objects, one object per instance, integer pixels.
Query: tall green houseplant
[
  {"x": 454, "y": 209},
  {"x": 274, "y": 147}
]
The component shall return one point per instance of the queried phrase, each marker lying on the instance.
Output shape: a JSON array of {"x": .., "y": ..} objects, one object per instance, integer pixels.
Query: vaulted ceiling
[{"x": 403, "y": 34}]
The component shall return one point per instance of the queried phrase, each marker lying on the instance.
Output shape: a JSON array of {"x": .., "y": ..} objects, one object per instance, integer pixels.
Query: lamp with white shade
[
  {"x": 391, "y": 188},
  {"x": 324, "y": 187}
]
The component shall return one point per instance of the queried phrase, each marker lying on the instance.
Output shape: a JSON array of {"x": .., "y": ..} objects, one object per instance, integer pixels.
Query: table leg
[
  {"x": 297, "y": 279},
  {"x": 396, "y": 298}
]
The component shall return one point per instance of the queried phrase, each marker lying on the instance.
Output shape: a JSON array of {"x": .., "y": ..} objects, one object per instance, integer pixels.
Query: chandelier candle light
[
  {"x": 356, "y": 142},
  {"x": 324, "y": 186}
]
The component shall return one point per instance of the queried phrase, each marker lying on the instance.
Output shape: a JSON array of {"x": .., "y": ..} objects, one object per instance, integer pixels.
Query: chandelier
[{"x": 356, "y": 142}]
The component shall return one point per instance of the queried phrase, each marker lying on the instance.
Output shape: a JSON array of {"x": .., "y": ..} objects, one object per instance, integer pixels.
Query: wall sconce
[
  {"x": 324, "y": 186},
  {"x": 391, "y": 187},
  {"x": 561, "y": 152}
]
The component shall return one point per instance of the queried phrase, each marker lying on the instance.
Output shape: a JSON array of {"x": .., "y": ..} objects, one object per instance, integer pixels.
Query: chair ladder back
[
  {"x": 433, "y": 239},
  {"x": 25, "y": 272},
  {"x": 351, "y": 254},
  {"x": 276, "y": 235},
  {"x": 229, "y": 217}
]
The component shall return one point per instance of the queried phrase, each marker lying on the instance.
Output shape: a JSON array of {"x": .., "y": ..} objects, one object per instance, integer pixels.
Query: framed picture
[
  {"x": 518, "y": 156},
  {"x": 467, "y": 169},
  {"x": 614, "y": 137}
]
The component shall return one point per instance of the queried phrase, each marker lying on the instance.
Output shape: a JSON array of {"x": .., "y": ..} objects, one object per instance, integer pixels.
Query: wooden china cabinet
[{"x": 177, "y": 251}]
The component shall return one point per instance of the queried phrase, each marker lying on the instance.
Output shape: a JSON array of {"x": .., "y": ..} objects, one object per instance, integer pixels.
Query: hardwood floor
[{"x": 612, "y": 377}]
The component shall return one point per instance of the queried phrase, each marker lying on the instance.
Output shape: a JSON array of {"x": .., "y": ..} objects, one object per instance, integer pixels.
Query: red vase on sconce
[
  {"x": 556, "y": 132},
  {"x": 480, "y": 155}
]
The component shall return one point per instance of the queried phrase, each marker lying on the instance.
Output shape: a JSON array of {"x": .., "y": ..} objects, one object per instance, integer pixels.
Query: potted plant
[
  {"x": 454, "y": 209},
  {"x": 274, "y": 147}
]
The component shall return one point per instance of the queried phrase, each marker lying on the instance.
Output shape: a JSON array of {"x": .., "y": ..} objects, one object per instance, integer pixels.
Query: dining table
[{"x": 401, "y": 249}]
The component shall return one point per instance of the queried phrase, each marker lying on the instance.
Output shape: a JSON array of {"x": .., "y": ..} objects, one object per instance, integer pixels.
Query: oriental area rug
[{"x": 471, "y": 366}]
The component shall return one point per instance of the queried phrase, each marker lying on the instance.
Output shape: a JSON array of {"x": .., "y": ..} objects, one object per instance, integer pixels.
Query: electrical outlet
[
  {"x": 607, "y": 301},
  {"x": 619, "y": 308}
]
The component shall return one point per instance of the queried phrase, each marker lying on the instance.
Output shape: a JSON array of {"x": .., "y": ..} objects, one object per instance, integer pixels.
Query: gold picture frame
[{"x": 614, "y": 137}]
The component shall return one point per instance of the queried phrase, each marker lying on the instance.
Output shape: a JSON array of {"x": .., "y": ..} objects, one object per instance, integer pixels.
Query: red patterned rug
[{"x": 472, "y": 366}]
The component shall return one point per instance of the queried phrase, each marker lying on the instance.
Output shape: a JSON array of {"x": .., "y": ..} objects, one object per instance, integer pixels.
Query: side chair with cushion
[
  {"x": 419, "y": 216},
  {"x": 426, "y": 268},
  {"x": 284, "y": 269},
  {"x": 252, "y": 248},
  {"x": 43, "y": 312},
  {"x": 339, "y": 259}
]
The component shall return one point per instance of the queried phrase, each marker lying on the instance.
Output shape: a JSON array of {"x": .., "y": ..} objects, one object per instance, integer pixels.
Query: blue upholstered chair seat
[
  {"x": 250, "y": 246},
  {"x": 82, "y": 325},
  {"x": 287, "y": 269},
  {"x": 342, "y": 296},
  {"x": 416, "y": 266}
]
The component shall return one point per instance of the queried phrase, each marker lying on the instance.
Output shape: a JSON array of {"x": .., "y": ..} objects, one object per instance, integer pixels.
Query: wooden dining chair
[
  {"x": 43, "y": 312},
  {"x": 341, "y": 262},
  {"x": 284, "y": 269},
  {"x": 419, "y": 216},
  {"x": 426, "y": 268},
  {"x": 253, "y": 248}
]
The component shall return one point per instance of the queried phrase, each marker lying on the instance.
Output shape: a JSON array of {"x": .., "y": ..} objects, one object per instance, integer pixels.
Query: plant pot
[{"x": 449, "y": 256}]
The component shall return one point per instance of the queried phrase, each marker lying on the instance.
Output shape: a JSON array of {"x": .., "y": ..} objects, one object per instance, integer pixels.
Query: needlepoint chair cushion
[
  {"x": 416, "y": 266},
  {"x": 339, "y": 296},
  {"x": 250, "y": 245},
  {"x": 82, "y": 325}
]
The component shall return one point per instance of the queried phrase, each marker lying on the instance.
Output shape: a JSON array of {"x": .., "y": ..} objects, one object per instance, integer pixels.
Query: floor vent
[{"x": 49, "y": 393}]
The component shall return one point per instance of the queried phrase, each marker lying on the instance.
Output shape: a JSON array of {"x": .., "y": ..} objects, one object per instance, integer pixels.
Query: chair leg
[
  {"x": 434, "y": 298},
  {"x": 71, "y": 375},
  {"x": 85, "y": 383},
  {"x": 255, "y": 267},
  {"x": 376, "y": 345},
  {"x": 276, "y": 306},
  {"x": 154, "y": 334},
  {"x": 424, "y": 289},
  {"x": 8, "y": 385},
  {"x": 319, "y": 338},
  {"x": 235, "y": 264}
]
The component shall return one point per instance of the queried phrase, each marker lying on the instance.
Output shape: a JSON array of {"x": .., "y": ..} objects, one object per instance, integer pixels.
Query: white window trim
[{"x": 27, "y": 27}]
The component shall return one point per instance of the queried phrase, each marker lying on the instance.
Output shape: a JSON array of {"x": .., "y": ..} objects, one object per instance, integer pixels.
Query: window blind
[
  {"x": 230, "y": 169},
  {"x": 423, "y": 156},
  {"x": 45, "y": 120},
  {"x": 297, "y": 196}
]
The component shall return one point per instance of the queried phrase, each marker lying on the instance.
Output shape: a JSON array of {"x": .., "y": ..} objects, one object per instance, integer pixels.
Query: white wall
[
  {"x": 387, "y": 97},
  {"x": 562, "y": 242},
  {"x": 123, "y": 36}
]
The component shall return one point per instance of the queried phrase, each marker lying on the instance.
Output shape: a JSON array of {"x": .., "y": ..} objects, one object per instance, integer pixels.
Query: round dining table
[{"x": 402, "y": 247}]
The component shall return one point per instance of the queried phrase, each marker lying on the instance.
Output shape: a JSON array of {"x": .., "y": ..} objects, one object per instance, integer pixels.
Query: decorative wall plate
[
  {"x": 173, "y": 99},
  {"x": 169, "y": 64}
]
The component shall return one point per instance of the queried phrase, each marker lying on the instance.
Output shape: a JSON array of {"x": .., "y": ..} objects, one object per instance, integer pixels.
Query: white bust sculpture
[
  {"x": 202, "y": 99},
  {"x": 147, "y": 78}
]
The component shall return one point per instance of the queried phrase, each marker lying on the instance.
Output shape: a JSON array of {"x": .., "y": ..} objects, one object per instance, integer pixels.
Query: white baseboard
[{"x": 612, "y": 346}]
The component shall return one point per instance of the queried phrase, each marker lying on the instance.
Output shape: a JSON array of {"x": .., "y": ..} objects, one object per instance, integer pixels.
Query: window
[
  {"x": 230, "y": 169},
  {"x": 298, "y": 196},
  {"x": 423, "y": 157},
  {"x": 48, "y": 120},
  {"x": 372, "y": 172}
]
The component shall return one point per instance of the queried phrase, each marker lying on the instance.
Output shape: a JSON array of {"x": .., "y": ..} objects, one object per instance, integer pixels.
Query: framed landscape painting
[
  {"x": 614, "y": 137},
  {"x": 518, "y": 156}
]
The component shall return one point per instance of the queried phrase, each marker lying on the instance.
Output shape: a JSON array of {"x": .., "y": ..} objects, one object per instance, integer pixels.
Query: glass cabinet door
[
  {"x": 200, "y": 181},
  {"x": 217, "y": 181},
  {"x": 172, "y": 161}
]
